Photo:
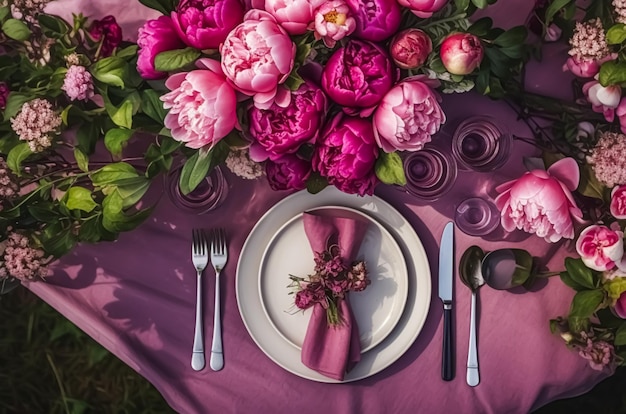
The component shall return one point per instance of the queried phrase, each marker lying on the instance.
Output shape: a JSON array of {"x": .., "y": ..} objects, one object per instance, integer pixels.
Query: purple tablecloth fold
[{"x": 333, "y": 350}]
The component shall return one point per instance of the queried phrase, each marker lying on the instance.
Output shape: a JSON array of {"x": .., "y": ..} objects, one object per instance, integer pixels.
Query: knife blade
[{"x": 446, "y": 273}]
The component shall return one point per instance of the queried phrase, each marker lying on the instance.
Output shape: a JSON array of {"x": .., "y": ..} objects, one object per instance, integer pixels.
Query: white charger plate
[
  {"x": 281, "y": 351},
  {"x": 376, "y": 310}
]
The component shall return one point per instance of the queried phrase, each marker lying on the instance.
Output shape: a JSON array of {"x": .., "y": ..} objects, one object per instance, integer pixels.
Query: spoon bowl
[{"x": 470, "y": 271}]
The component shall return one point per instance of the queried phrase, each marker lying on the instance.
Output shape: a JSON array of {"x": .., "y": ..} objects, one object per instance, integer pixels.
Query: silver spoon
[{"x": 471, "y": 276}]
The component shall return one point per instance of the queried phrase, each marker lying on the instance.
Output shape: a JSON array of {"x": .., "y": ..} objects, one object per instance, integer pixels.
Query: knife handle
[{"x": 447, "y": 362}]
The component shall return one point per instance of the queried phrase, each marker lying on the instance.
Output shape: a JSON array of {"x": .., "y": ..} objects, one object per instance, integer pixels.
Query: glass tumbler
[
  {"x": 206, "y": 197},
  {"x": 476, "y": 216},
  {"x": 480, "y": 144},
  {"x": 430, "y": 173}
]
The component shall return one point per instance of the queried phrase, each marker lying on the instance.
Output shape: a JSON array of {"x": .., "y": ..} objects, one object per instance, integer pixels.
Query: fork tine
[
  {"x": 222, "y": 241},
  {"x": 194, "y": 244},
  {"x": 204, "y": 243}
]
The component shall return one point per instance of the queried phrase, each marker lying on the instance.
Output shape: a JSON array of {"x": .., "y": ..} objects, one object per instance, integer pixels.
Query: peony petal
[{"x": 566, "y": 170}]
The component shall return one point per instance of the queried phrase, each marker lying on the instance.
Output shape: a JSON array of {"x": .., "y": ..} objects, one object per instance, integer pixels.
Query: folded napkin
[{"x": 333, "y": 350}]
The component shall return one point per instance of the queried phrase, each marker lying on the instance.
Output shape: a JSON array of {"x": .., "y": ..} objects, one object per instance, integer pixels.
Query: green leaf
[
  {"x": 461, "y": 5},
  {"x": 152, "y": 106},
  {"x": 567, "y": 279},
  {"x": 612, "y": 73},
  {"x": 79, "y": 198},
  {"x": 52, "y": 26},
  {"x": 589, "y": 184},
  {"x": 481, "y": 4},
  {"x": 123, "y": 116},
  {"x": 616, "y": 34},
  {"x": 554, "y": 8},
  {"x": 81, "y": 160},
  {"x": 620, "y": 335},
  {"x": 585, "y": 303},
  {"x": 115, "y": 140},
  {"x": 87, "y": 136},
  {"x": 111, "y": 173},
  {"x": 16, "y": 29},
  {"x": 580, "y": 273},
  {"x": 172, "y": 60},
  {"x": 200, "y": 164},
  {"x": 389, "y": 168},
  {"x": 132, "y": 189},
  {"x": 14, "y": 104},
  {"x": 294, "y": 81},
  {"x": 4, "y": 12},
  {"x": 512, "y": 37},
  {"x": 115, "y": 220},
  {"x": 89, "y": 230},
  {"x": 316, "y": 183},
  {"x": 15, "y": 157},
  {"x": 110, "y": 70},
  {"x": 43, "y": 211},
  {"x": 127, "y": 52},
  {"x": 480, "y": 27},
  {"x": 164, "y": 6}
]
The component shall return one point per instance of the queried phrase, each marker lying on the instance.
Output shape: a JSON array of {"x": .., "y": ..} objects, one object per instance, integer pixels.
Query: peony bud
[
  {"x": 461, "y": 53},
  {"x": 410, "y": 48}
]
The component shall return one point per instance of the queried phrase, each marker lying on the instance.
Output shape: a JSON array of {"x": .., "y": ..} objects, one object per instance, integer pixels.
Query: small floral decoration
[
  {"x": 318, "y": 92},
  {"x": 583, "y": 149},
  {"x": 329, "y": 283}
]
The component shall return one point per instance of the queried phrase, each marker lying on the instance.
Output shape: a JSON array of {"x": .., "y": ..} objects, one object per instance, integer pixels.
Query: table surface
[{"x": 136, "y": 297}]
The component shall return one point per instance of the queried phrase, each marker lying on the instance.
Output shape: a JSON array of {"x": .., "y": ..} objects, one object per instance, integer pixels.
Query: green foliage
[
  {"x": 389, "y": 168},
  {"x": 172, "y": 60},
  {"x": 200, "y": 164}
]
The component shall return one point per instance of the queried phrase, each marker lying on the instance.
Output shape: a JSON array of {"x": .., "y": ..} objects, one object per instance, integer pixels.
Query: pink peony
[
  {"x": 278, "y": 131},
  {"x": 294, "y": 16},
  {"x": 376, "y": 20},
  {"x": 600, "y": 247},
  {"x": 346, "y": 153},
  {"x": 410, "y": 48},
  {"x": 201, "y": 105},
  {"x": 461, "y": 53},
  {"x": 4, "y": 94},
  {"x": 289, "y": 172},
  {"x": 618, "y": 202},
  {"x": 357, "y": 76},
  {"x": 603, "y": 99},
  {"x": 204, "y": 24},
  {"x": 582, "y": 68},
  {"x": 620, "y": 112},
  {"x": 155, "y": 36},
  {"x": 108, "y": 33},
  {"x": 257, "y": 56},
  {"x": 541, "y": 202},
  {"x": 620, "y": 306},
  {"x": 407, "y": 116},
  {"x": 333, "y": 22},
  {"x": 423, "y": 8}
]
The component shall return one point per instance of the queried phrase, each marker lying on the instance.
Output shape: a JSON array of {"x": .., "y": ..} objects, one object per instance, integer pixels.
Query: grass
[{"x": 47, "y": 365}]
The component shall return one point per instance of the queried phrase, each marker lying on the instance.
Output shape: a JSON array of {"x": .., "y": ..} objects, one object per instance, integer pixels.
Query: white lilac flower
[
  {"x": 589, "y": 41},
  {"x": 239, "y": 162}
]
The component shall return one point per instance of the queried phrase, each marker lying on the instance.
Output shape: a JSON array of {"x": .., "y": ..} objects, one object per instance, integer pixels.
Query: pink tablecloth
[{"x": 136, "y": 297}]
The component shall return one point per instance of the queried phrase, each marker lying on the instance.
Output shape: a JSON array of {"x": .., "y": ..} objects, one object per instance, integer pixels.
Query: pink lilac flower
[
  {"x": 4, "y": 94},
  {"x": 239, "y": 163},
  {"x": 78, "y": 84},
  {"x": 358, "y": 277},
  {"x": 589, "y": 41},
  {"x": 607, "y": 159},
  {"x": 108, "y": 33},
  {"x": 599, "y": 353},
  {"x": 8, "y": 183},
  {"x": 35, "y": 123},
  {"x": 22, "y": 261},
  {"x": 620, "y": 11}
]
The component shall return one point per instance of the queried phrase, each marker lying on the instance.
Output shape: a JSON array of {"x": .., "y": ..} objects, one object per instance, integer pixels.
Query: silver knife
[{"x": 446, "y": 272}]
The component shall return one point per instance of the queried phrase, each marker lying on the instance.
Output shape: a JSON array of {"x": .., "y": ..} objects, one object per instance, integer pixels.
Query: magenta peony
[
  {"x": 461, "y": 53},
  {"x": 376, "y": 20},
  {"x": 201, "y": 105},
  {"x": 155, "y": 36},
  {"x": 618, "y": 202},
  {"x": 257, "y": 56},
  {"x": 108, "y": 33},
  {"x": 333, "y": 21},
  {"x": 423, "y": 8},
  {"x": 346, "y": 153},
  {"x": 278, "y": 131},
  {"x": 408, "y": 116},
  {"x": 600, "y": 247},
  {"x": 204, "y": 24},
  {"x": 410, "y": 48},
  {"x": 620, "y": 306},
  {"x": 289, "y": 172},
  {"x": 541, "y": 202},
  {"x": 4, "y": 94},
  {"x": 294, "y": 16},
  {"x": 357, "y": 76}
]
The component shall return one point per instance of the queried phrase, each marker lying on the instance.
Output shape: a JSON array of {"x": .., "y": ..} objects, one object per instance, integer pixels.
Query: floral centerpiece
[{"x": 582, "y": 194}]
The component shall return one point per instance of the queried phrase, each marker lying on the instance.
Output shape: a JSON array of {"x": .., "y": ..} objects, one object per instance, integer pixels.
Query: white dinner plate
[
  {"x": 376, "y": 310},
  {"x": 281, "y": 351}
]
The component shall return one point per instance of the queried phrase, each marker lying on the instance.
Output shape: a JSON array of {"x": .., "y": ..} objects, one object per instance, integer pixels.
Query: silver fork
[
  {"x": 200, "y": 259},
  {"x": 219, "y": 255}
]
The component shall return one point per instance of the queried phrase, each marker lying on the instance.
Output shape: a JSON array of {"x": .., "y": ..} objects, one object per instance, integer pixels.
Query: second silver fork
[
  {"x": 219, "y": 256},
  {"x": 200, "y": 259}
]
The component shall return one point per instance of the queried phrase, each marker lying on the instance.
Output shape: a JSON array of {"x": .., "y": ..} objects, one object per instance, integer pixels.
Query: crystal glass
[
  {"x": 476, "y": 216},
  {"x": 206, "y": 197},
  {"x": 480, "y": 144},
  {"x": 430, "y": 173}
]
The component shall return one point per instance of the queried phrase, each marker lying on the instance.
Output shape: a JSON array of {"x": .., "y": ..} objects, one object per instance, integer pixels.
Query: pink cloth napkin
[{"x": 333, "y": 350}]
